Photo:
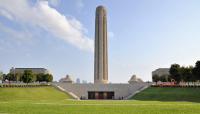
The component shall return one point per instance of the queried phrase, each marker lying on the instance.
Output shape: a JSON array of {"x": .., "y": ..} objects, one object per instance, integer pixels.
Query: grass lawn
[
  {"x": 47, "y": 100},
  {"x": 169, "y": 94}
]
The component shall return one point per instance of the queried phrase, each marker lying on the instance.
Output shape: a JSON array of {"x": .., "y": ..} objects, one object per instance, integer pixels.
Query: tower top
[{"x": 100, "y": 8}]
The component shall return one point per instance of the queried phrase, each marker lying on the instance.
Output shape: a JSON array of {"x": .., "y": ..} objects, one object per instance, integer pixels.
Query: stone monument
[{"x": 101, "y": 56}]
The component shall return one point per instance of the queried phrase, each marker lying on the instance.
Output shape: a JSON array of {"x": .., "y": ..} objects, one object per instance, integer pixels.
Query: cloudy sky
[{"x": 59, "y": 35}]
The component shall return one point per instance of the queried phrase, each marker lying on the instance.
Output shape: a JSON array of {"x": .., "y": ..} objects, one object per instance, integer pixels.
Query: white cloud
[
  {"x": 5, "y": 14},
  {"x": 49, "y": 19},
  {"x": 54, "y": 3}
]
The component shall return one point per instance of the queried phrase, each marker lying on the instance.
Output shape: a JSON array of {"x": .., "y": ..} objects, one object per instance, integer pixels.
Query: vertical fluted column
[{"x": 101, "y": 57}]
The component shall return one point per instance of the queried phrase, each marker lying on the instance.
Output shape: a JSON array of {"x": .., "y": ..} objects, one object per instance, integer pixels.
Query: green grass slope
[
  {"x": 48, "y": 100},
  {"x": 34, "y": 93},
  {"x": 169, "y": 94}
]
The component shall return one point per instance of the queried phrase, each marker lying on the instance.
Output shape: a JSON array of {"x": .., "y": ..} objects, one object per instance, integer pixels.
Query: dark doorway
[
  {"x": 91, "y": 95},
  {"x": 100, "y": 95}
]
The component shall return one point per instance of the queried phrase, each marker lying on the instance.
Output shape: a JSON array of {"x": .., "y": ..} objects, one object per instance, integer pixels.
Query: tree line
[
  {"x": 180, "y": 73},
  {"x": 27, "y": 77}
]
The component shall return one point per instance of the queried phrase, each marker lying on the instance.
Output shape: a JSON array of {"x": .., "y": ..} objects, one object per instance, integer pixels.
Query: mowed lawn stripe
[{"x": 33, "y": 93}]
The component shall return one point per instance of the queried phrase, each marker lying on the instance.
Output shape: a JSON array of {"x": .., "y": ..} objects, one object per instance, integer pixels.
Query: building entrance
[{"x": 100, "y": 95}]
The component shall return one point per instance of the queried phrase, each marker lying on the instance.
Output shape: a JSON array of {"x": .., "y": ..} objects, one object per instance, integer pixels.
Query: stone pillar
[
  {"x": 96, "y": 95},
  {"x": 105, "y": 95},
  {"x": 101, "y": 57}
]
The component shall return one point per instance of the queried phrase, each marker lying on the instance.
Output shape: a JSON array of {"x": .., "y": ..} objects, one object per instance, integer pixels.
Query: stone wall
[{"x": 120, "y": 90}]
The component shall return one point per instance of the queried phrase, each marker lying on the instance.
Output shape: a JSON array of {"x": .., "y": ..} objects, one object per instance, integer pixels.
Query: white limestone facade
[{"x": 120, "y": 90}]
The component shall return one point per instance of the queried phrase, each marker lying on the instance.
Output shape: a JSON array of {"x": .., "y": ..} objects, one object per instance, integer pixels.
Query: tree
[
  {"x": 44, "y": 77},
  {"x": 48, "y": 78},
  {"x": 28, "y": 76},
  {"x": 155, "y": 78},
  {"x": 164, "y": 78},
  {"x": 186, "y": 74},
  {"x": 40, "y": 77},
  {"x": 175, "y": 72},
  {"x": 11, "y": 77},
  {"x": 1, "y": 75},
  {"x": 4, "y": 77},
  {"x": 196, "y": 71},
  {"x": 18, "y": 77}
]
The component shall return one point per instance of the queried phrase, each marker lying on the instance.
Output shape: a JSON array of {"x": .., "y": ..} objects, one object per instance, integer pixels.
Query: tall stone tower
[{"x": 101, "y": 56}]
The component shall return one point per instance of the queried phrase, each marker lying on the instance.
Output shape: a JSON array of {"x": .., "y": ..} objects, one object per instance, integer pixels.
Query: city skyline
[{"x": 59, "y": 35}]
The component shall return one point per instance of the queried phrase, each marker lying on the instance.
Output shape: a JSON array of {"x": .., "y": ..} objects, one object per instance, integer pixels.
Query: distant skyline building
[
  {"x": 101, "y": 56},
  {"x": 84, "y": 81},
  {"x": 78, "y": 81}
]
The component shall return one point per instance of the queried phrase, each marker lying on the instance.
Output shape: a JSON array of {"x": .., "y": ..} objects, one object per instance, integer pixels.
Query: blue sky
[{"x": 59, "y": 34}]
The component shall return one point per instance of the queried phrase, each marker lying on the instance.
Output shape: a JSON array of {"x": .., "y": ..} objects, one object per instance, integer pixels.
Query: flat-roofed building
[
  {"x": 34, "y": 70},
  {"x": 161, "y": 72}
]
